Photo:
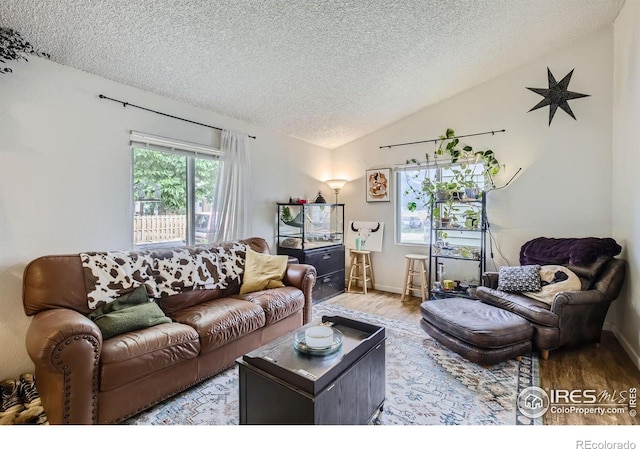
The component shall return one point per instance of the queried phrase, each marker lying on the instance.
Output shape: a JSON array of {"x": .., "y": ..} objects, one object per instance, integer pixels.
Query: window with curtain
[
  {"x": 233, "y": 197},
  {"x": 174, "y": 185}
]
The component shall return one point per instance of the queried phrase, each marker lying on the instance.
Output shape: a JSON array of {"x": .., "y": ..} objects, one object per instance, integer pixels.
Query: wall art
[
  {"x": 365, "y": 235},
  {"x": 556, "y": 95},
  {"x": 378, "y": 182}
]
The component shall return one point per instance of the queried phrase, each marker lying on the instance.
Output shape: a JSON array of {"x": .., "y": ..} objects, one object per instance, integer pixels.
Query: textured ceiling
[{"x": 323, "y": 71}]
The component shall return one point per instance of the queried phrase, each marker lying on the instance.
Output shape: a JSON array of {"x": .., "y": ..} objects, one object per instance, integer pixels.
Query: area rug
[{"x": 427, "y": 384}]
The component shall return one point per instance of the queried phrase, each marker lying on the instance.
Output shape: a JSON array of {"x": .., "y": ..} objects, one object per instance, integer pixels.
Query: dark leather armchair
[{"x": 573, "y": 318}]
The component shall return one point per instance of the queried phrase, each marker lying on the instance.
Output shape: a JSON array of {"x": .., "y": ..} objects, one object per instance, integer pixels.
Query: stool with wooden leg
[
  {"x": 361, "y": 271},
  {"x": 416, "y": 266}
]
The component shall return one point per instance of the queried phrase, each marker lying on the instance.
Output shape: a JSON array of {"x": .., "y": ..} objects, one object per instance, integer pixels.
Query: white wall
[
  {"x": 626, "y": 183},
  {"x": 564, "y": 189},
  {"x": 65, "y": 173}
]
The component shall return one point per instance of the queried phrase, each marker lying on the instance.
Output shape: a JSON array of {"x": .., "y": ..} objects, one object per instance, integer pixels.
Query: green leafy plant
[
  {"x": 461, "y": 162},
  {"x": 162, "y": 176},
  {"x": 286, "y": 215},
  {"x": 487, "y": 157},
  {"x": 13, "y": 47},
  {"x": 472, "y": 217}
]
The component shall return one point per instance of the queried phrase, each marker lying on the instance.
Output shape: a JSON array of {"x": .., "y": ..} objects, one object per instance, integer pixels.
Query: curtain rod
[
  {"x": 446, "y": 138},
  {"x": 125, "y": 104}
]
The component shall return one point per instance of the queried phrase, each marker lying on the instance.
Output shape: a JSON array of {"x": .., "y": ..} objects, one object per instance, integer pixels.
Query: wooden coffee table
[{"x": 281, "y": 385}]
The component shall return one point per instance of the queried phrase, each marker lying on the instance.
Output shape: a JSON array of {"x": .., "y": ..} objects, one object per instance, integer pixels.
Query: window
[
  {"x": 414, "y": 227},
  {"x": 411, "y": 227},
  {"x": 173, "y": 187}
]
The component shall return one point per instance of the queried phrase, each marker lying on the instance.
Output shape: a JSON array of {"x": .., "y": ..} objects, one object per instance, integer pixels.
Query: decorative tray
[
  {"x": 312, "y": 373},
  {"x": 299, "y": 343}
]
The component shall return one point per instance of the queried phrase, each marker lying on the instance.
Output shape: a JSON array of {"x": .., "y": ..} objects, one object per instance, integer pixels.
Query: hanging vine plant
[
  {"x": 461, "y": 162},
  {"x": 14, "y": 47}
]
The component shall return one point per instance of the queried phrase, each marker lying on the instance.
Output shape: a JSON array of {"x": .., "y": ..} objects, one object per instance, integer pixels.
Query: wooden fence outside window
[{"x": 159, "y": 228}]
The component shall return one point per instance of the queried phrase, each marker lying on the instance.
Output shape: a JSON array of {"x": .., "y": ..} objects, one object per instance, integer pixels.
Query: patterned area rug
[{"x": 427, "y": 384}]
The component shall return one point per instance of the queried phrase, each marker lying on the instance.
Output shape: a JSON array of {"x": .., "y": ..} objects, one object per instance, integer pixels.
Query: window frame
[
  {"x": 400, "y": 170},
  {"x": 191, "y": 151}
]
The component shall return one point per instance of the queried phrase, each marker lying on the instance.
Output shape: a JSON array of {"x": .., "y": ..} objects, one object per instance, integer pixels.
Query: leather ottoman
[{"x": 477, "y": 331}]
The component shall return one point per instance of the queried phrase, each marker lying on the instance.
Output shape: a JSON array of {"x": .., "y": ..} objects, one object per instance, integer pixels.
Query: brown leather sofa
[
  {"x": 84, "y": 379},
  {"x": 574, "y": 317}
]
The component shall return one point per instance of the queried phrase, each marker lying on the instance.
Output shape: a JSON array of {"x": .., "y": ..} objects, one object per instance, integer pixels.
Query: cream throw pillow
[{"x": 262, "y": 271}]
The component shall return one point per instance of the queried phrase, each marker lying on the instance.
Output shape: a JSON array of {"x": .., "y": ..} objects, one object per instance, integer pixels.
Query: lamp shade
[{"x": 336, "y": 184}]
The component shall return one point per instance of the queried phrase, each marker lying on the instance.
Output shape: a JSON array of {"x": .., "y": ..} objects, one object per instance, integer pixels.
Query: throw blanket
[
  {"x": 574, "y": 251},
  {"x": 165, "y": 272},
  {"x": 554, "y": 279}
]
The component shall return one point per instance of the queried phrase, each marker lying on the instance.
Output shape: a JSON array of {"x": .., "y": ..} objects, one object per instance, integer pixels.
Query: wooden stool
[
  {"x": 360, "y": 263},
  {"x": 411, "y": 271}
]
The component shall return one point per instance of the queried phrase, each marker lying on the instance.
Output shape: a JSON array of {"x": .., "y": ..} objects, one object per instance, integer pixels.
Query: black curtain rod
[
  {"x": 446, "y": 138},
  {"x": 125, "y": 104}
]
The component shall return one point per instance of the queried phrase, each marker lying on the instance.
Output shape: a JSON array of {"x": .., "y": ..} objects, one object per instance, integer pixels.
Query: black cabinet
[
  {"x": 278, "y": 385},
  {"x": 314, "y": 234},
  {"x": 353, "y": 398},
  {"x": 329, "y": 264}
]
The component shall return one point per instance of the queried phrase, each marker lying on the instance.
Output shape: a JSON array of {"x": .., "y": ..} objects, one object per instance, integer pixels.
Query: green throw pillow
[{"x": 129, "y": 312}]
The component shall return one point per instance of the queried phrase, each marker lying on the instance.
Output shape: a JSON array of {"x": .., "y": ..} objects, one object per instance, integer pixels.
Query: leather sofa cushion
[
  {"x": 184, "y": 300},
  {"x": 221, "y": 321},
  {"x": 277, "y": 303},
  {"x": 476, "y": 323},
  {"x": 133, "y": 355},
  {"x": 529, "y": 308}
]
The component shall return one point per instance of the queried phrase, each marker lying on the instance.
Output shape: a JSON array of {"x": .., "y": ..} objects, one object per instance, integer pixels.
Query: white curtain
[{"x": 232, "y": 202}]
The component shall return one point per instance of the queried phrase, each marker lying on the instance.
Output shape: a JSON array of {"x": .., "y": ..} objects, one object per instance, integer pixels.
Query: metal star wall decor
[{"x": 556, "y": 96}]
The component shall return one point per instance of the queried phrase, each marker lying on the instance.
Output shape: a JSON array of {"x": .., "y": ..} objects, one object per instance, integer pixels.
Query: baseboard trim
[
  {"x": 633, "y": 355},
  {"x": 398, "y": 290},
  {"x": 388, "y": 288}
]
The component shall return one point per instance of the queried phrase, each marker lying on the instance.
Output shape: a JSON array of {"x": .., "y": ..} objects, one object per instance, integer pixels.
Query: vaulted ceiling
[{"x": 323, "y": 71}]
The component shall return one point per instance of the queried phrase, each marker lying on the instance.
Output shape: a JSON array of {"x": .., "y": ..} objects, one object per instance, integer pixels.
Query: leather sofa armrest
[
  {"x": 490, "y": 279},
  {"x": 576, "y": 298},
  {"x": 302, "y": 276},
  {"x": 65, "y": 347},
  {"x": 581, "y": 315}
]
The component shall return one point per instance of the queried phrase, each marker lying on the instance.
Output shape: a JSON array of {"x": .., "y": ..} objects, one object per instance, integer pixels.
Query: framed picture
[
  {"x": 378, "y": 182},
  {"x": 369, "y": 234}
]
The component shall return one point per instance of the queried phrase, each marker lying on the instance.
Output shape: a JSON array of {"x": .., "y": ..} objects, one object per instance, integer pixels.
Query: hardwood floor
[
  {"x": 380, "y": 303},
  {"x": 606, "y": 368}
]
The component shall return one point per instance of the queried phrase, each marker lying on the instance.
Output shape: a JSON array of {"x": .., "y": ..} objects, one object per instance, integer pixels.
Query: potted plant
[
  {"x": 444, "y": 214},
  {"x": 462, "y": 163},
  {"x": 286, "y": 215},
  {"x": 472, "y": 218}
]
